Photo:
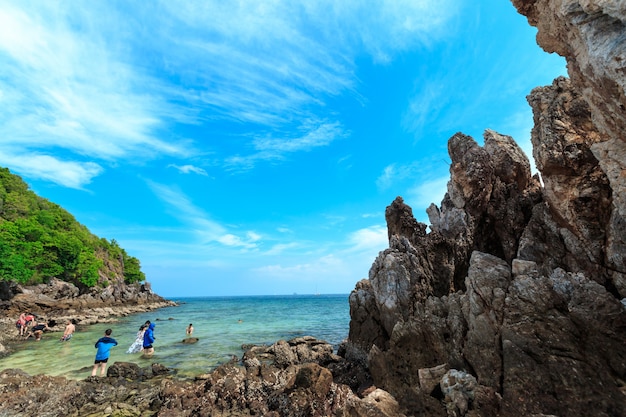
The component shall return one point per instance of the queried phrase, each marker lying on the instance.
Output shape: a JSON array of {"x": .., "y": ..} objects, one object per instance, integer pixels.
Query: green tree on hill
[{"x": 40, "y": 240}]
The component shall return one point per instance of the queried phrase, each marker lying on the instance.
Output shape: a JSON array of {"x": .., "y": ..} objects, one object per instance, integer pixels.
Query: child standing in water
[
  {"x": 104, "y": 345},
  {"x": 189, "y": 329}
]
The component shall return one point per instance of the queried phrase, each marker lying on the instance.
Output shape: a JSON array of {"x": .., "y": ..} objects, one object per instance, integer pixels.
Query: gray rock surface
[{"x": 519, "y": 284}]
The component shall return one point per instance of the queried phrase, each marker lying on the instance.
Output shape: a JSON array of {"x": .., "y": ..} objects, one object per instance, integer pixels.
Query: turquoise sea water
[{"x": 223, "y": 325}]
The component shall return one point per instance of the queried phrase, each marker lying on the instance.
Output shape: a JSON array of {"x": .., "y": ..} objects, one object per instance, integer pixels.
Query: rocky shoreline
[
  {"x": 59, "y": 301},
  {"x": 299, "y": 377}
]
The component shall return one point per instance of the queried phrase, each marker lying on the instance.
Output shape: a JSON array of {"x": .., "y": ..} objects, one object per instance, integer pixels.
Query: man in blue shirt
[{"x": 104, "y": 345}]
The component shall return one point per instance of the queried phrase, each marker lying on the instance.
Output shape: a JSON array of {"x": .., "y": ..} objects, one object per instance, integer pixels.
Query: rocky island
[{"x": 513, "y": 303}]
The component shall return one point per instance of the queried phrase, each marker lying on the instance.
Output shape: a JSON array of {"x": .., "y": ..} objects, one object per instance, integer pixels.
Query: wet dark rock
[{"x": 127, "y": 370}]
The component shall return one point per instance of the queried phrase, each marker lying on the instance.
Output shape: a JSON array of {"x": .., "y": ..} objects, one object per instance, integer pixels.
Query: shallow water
[{"x": 223, "y": 325}]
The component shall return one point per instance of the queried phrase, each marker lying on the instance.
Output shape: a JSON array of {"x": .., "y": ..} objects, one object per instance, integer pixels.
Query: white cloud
[
  {"x": 186, "y": 169},
  {"x": 271, "y": 148},
  {"x": 426, "y": 104},
  {"x": 316, "y": 268},
  {"x": 274, "y": 62},
  {"x": 64, "y": 87},
  {"x": 329, "y": 262},
  {"x": 315, "y": 136},
  {"x": 204, "y": 228},
  {"x": 369, "y": 239},
  {"x": 422, "y": 195},
  {"x": 184, "y": 209},
  {"x": 92, "y": 81},
  {"x": 67, "y": 173},
  {"x": 232, "y": 240},
  {"x": 383, "y": 28},
  {"x": 280, "y": 248},
  {"x": 395, "y": 173}
]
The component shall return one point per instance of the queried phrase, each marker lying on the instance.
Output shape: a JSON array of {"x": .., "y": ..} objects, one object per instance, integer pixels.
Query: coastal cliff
[{"x": 518, "y": 292}]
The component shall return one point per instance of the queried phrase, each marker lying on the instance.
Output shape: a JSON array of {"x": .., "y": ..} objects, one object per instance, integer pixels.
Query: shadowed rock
[{"x": 518, "y": 284}]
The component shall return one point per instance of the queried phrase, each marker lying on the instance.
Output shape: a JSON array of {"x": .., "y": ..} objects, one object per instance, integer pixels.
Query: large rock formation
[
  {"x": 591, "y": 35},
  {"x": 514, "y": 295}
]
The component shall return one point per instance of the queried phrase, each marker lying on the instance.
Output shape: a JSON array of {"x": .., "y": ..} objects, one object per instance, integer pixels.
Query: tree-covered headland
[{"x": 40, "y": 240}]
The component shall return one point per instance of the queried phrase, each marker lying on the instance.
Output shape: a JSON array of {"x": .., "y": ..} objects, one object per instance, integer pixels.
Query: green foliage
[
  {"x": 132, "y": 270},
  {"x": 40, "y": 240}
]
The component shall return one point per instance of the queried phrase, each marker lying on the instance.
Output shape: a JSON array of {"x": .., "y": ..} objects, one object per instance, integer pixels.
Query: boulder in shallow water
[
  {"x": 127, "y": 370},
  {"x": 190, "y": 340}
]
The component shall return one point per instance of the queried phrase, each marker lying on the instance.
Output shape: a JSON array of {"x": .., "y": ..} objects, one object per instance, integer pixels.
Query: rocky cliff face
[{"x": 510, "y": 305}]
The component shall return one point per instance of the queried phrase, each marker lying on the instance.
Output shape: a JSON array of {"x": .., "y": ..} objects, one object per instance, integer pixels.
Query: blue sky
[{"x": 251, "y": 147}]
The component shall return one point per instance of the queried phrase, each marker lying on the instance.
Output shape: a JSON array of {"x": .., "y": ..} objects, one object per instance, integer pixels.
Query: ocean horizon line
[{"x": 174, "y": 298}]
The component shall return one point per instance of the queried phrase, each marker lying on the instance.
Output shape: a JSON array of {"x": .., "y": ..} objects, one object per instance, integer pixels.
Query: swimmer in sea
[{"x": 69, "y": 331}]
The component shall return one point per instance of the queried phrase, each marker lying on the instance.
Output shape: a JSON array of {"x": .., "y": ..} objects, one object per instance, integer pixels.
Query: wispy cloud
[
  {"x": 69, "y": 174},
  {"x": 274, "y": 63},
  {"x": 281, "y": 248},
  {"x": 274, "y": 148},
  {"x": 104, "y": 82},
  {"x": 318, "y": 268},
  {"x": 329, "y": 264},
  {"x": 369, "y": 239},
  {"x": 423, "y": 195},
  {"x": 321, "y": 135},
  {"x": 431, "y": 97},
  {"x": 247, "y": 242},
  {"x": 404, "y": 23},
  {"x": 186, "y": 169},
  {"x": 62, "y": 88},
  {"x": 395, "y": 173},
  {"x": 199, "y": 222},
  {"x": 183, "y": 208},
  {"x": 421, "y": 186}
]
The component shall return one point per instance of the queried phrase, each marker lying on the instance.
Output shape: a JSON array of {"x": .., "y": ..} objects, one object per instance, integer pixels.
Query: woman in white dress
[{"x": 137, "y": 345}]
